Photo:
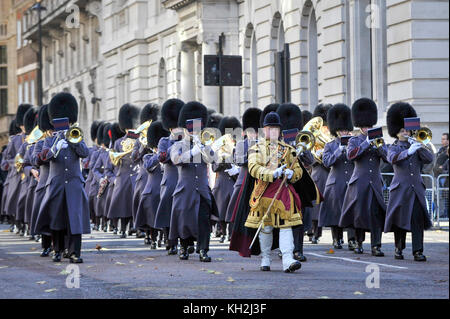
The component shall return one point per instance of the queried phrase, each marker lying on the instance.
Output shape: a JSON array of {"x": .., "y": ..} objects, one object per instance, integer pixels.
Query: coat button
[
  {"x": 370, "y": 170},
  {"x": 196, "y": 177},
  {"x": 370, "y": 182},
  {"x": 66, "y": 169},
  {"x": 346, "y": 172},
  {"x": 412, "y": 186},
  {"x": 65, "y": 157},
  {"x": 66, "y": 182},
  {"x": 412, "y": 174}
]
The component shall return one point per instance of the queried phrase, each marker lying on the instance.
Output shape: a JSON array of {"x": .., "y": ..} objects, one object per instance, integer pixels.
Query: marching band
[{"x": 173, "y": 174}]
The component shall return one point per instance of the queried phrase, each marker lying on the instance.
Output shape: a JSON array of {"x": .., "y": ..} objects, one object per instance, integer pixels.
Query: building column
[
  {"x": 187, "y": 72},
  {"x": 210, "y": 94}
]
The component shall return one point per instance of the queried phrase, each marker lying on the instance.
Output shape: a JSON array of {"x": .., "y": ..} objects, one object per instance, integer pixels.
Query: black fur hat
[
  {"x": 30, "y": 119},
  {"x": 129, "y": 117},
  {"x": 100, "y": 133},
  {"x": 94, "y": 129},
  {"x": 214, "y": 120},
  {"x": 307, "y": 116},
  {"x": 116, "y": 133},
  {"x": 364, "y": 113},
  {"x": 149, "y": 112},
  {"x": 193, "y": 110},
  {"x": 106, "y": 133},
  {"x": 395, "y": 117},
  {"x": 269, "y": 108},
  {"x": 21, "y": 110},
  {"x": 43, "y": 119},
  {"x": 229, "y": 122},
  {"x": 322, "y": 111},
  {"x": 170, "y": 112},
  {"x": 13, "y": 128},
  {"x": 63, "y": 105},
  {"x": 339, "y": 118},
  {"x": 250, "y": 118},
  {"x": 154, "y": 133},
  {"x": 290, "y": 116}
]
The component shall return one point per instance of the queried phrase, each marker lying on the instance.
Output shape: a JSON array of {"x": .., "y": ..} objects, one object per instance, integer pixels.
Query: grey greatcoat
[
  {"x": 99, "y": 171},
  {"x": 5, "y": 167},
  {"x": 319, "y": 175},
  {"x": 30, "y": 193},
  {"x": 192, "y": 184},
  {"x": 91, "y": 183},
  {"x": 141, "y": 179},
  {"x": 121, "y": 205},
  {"x": 24, "y": 182},
  {"x": 223, "y": 188},
  {"x": 364, "y": 185},
  {"x": 407, "y": 186},
  {"x": 65, "y": 201},
  {"x": 15, "y": 179},
  {"x": 145, "y": 215},
  {"x": 40, "y": 187},
  {"x": 341, "y": 169},
  {"x": 168, "y": 182}
]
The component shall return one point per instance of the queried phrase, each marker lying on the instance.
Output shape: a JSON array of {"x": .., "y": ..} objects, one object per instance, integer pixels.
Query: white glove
[
  {"x": 216, "y": 145},
  {"x": 278, "y": 172},
  {"x": 368, "y": 139},
  {"x": 413, "y": 148},
  {"x": 341, "y": 148},
  {"x": 196, "y": 150},
  {"x": 234, "y": 170},
  {"x": 61, "y": 144},
  {"x": 319, "y": 152},
  {"x": 288, "y": 173}
]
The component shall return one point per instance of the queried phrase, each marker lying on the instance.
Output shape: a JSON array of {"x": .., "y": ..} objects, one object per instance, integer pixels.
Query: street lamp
[{"x": 37, "y": 6}]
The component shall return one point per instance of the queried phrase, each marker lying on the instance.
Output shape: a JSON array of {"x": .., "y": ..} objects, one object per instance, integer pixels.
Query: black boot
[
  {"x": 351, "y": 245},
  {"x": 45, "y": 252},
  {"x": 123, "y": 234},
  {"x": 359, "y": 248},
  {"x": 294, "y": 266},
  {"x": 153, "y": 245},
  {"x": 204, "y": 256},
  {"x": 314, "y": 241},
  {"x": 75, "y": 260},
  {"x": 172, "y": 250},
  {"x": 376, "y": 251},
  {"x": 222, "y": 239},
  {"x": 337, "y": 244},
  {"x": 299, "y": 256},
  {"x": 418, "y": 256},
  {"x": 147, "y": 241},
  {"x": 191, "y": 250},
  {"x": 57, "y": 257},
  {"x": 115, "y": 231},
  {"x": 398, "y": 254},
  {"x": 183, "y": 254},
  {"x": 66, "y": 253},
  {"x": 264, "y": 268}
]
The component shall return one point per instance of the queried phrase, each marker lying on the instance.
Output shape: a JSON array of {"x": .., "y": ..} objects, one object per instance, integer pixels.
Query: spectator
[{"x": 441, "y": 156}]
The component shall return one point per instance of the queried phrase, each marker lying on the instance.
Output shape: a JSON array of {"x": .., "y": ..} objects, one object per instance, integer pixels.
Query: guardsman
[
  {"x": 169, "y": 114},
  {"x": 319, "y": 174},
  {"x": 46, "y": 127},
  {"x": 407, "y": 208},
  {"x": 121, "y": 205},
  {"x": 64, "y": 209},
  {"x": 16, "y": 176},
  {"x": 150, "y": 198},
  {"x": 148, "y": 113},
  {"x": 192, "y": 203},
  {"x": 226, "y": 174},
  {"x": 364, "y": 207},
  {"x": 341, "y": 168}
]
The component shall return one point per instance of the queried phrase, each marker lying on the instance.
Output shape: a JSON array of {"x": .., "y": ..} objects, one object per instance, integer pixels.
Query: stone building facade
[{"x": 147, "y": 51}]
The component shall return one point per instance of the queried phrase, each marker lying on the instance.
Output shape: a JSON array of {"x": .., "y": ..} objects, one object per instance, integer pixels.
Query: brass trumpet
[
  {"x": 73, "y": 135},
  {"x": 423, "y": 136},
  {"x": 378, "y": 142}
]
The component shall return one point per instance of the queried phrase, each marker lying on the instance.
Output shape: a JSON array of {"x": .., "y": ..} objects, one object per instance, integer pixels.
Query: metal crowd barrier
[{"x": 442, "y": 198}]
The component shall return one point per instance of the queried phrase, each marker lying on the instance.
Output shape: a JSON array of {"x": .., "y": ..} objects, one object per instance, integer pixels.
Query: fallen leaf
[
  {"x": 330, "y": 251},
  {"x": 98, "y": 247},
  {"x": 230, "y": 279},
  {"x": 33, "y": 248},
  {"x": 64, "y": 272},
  {"x": 358, "y": 258},
  {"x": 58, "y": 264},
  {"x": 51, "y": 290},
  {"x": 202, "y": 269},
  {"x": 119, "y": 263},
  {"x": 358, "y": 293},
  {"x": 156, "y": 267},
  {"x": 5, "y": 231},
  {"x": 149, "y": 258}
]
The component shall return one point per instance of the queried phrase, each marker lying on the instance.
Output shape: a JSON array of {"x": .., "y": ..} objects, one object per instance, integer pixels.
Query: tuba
[
  {"x": 127, "y": 147},
  {"x": 314, "y": 135}
]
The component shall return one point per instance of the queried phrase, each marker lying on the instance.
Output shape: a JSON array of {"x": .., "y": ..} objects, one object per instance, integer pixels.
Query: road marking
[{"x": 356, "y": 261}]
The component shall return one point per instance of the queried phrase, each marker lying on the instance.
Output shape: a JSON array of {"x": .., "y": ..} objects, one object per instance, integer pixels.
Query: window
[
  {"x": 32, "y": 96},
  {"x": 3, "y": 55},
  {"x": 19, "y": 34},
  {"x": 26, "y": 92},
  {"x": 3, "y": 101},
  {"x": 20, "y": 93},
  {"x": 3, "y": 76}
]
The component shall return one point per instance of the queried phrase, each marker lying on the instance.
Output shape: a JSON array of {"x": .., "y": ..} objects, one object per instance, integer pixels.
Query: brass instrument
[
  {"x": 423, "y": 136},
  {"x": 378, "y": 142},
  {"x": 73, "y": 135},
  {"x": 18, "y": 162},
  {"x": 225, "y": 144},
  {"x": 35, "y": 135},
  {"x": 305, "y": 140},
  {"x": 142, "y": 130},
  {"x": 321, "y": 136},
  {"x": 127, "y": 147}
]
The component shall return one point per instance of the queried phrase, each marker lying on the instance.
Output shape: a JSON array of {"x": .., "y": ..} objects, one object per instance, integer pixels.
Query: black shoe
[
  {"x": 159, "y": 243},
  {"x": 337, "y": 244},
  {"x": 418, "y": 256},
  {"x": 341, "y": 241},
  {"x": 22, "y": 233},
  {"x": 56, "y": 257},
  {"x": 123, "y": 235},
  {"x": 66, "y": 253},
  {"x": 115, "y": 231},
  {"x": 217, "y": 235},
  {"x": 153, "y": 245},
  {"x": 299, "y": 256},
  {"x": 358, "y": 249},
  {"x": 172, "y": 251},
  {"x": 314, "y": 241},
  {"x": 147, "y": 241},
  {"x": 183, "y": 254},
  {"x": 264, "y": 268},
  {"x": 398, "y": 254},
  {"x": 310, "y": 238},
  {"x": 32, "y": 238},
  {"x": 351, "y": 245},
  {"x": 204, "y": 256},
  {"x": 38, "y": 237},
  {"x": 75, "y": 260},
  {"x": 130, "y": 232},
  {"x": 191, "y": 250},
  {"x": 376, "y": 251},
  {"x": 46, "y": 252},
  {"x": 294, "y": 266},
  {"x": 140, "y": 234},
  {"x": 222, "y": 239},
  {"x": 105, "y": 229}
]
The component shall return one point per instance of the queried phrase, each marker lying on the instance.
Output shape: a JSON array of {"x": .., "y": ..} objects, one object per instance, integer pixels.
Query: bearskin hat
[
  {"x": 396, "y": 114},
  {"x": 13, "y": 128},
  {"x": 154, "y": 133},
  {"x": 63, "y": 105},
  {"x": 339, "y": 118},
  {"x": 290, "y": 116},
  {"x": 116, "y": 132},
  {"x": 322, "y": 111},
  {"x": 214, "y": 120},
  {"x": 250, "y": 118},
  {"x": 269, "y": 108},
  {"x": 149, "y": 112},
  {"x": 43, "y": 119},
  {"x": 30, "y": 119},
  {"x": 129, "y": 117},
  {"x": 229, "y": 122},
  {"x": 170, "y": 112},
  {"x": 94, "y": 128},
  {"x": 193, "y": 110},
  {"x": 364, "y": 113},
  {"x": 307, "y": 116},
  {"x": 21, "y": 110},
  {"x": 106, "y": 133},
  {"x": 100, "y": 133}
]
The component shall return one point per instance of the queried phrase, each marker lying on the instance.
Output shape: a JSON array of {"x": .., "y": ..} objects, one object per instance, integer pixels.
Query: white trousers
[{"x": 286, "y": 244}]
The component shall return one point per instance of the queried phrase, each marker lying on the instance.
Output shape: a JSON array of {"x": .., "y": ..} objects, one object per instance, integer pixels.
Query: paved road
[{"x": 125, "y": 268}]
